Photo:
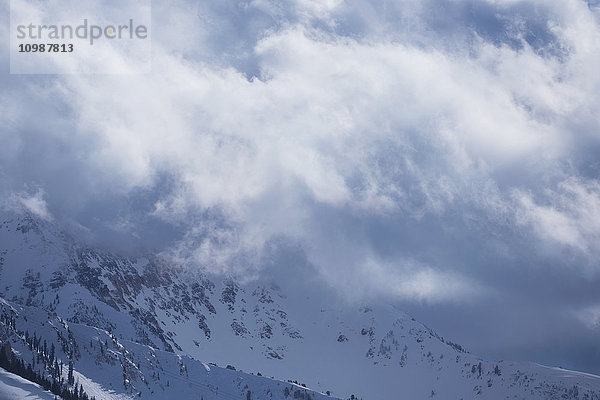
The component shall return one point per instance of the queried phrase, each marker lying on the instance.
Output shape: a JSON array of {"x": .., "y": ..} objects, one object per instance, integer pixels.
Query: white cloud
[
  {"x": 409, "y": 280},
  {"x": 572, "y": 217},
  {"x": 34, "y": 203},
  {"x": 368, "y": 123}
]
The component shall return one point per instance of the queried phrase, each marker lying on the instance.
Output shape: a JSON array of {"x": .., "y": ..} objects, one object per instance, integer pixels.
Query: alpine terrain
[{"x": 86, "y": 322}]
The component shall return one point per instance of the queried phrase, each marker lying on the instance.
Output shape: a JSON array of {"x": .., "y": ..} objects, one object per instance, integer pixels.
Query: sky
[{"x": 441, "y": 155}]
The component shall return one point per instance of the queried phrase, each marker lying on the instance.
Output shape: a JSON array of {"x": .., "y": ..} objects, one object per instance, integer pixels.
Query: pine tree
[
  {"x": 70, "y": 377},
  {"x": 51, "y": 361}
]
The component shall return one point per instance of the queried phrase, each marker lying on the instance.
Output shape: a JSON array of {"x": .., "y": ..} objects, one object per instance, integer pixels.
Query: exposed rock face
[{"x": 150, "y": 297}]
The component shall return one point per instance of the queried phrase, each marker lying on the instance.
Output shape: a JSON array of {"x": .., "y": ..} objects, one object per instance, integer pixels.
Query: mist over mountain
[{"x": 83, "y": 322}]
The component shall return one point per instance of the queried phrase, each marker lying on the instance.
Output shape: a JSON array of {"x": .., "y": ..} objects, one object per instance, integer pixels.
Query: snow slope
[
  {"x": 287, "y": 325},
  {"x": 14, "y": 387}
]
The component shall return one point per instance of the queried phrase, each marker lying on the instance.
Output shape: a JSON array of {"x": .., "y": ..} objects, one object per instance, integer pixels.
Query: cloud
[
  {"x": 590, "y": 316},
  {"x": 34, "y": 203},
  {"x": 412, "y": 281},
  {"x": 572, "y": 217}
]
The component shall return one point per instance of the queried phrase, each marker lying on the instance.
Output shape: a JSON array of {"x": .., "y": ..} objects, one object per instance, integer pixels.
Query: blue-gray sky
[{"x": 444, "y": 155}]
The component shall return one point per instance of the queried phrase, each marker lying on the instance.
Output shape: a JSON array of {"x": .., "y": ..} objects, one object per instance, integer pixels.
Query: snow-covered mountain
[
  {"x": 285, "y": 326},
  {"x": 109, "y": 368}
]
